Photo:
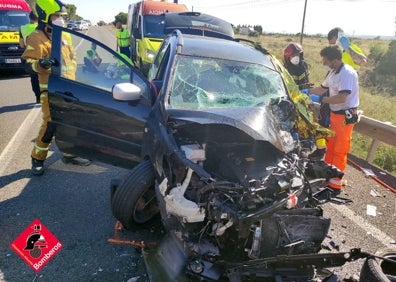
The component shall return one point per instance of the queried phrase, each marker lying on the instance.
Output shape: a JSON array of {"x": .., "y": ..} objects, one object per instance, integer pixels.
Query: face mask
[
  {"x": 295, "y": 60},
  {"x": 59, "y": 22},
  {"x": 327, "y": 68}
]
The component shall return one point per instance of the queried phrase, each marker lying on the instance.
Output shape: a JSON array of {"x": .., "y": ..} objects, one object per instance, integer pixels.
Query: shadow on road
[
  {"x": 73, "y": 203},
  {"x": 15, "y": 108}
]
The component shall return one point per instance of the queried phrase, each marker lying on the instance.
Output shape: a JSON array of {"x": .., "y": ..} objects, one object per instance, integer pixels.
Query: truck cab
[
  {"x": 146, "y": 26},
  {"x": 13, "y": 14}
]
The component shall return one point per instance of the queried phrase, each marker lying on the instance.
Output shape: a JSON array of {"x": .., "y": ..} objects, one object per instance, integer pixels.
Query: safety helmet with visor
[
  {"x": 46, "y": 8},
  {"x": 293, "y": 52}
]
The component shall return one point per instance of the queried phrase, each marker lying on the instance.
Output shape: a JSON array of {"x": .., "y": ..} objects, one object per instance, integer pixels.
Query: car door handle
[{"x": 67, "y": 96}]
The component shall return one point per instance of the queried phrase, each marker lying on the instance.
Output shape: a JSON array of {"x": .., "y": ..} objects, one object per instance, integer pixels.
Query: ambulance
[
  {"x": 146, "y": 26},
  {"x": 13, "y": 14}
]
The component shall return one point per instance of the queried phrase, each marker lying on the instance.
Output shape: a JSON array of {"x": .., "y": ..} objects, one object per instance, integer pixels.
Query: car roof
[
  {"x": 223, "y": 49},
  {"x": 198, "y": 23}
]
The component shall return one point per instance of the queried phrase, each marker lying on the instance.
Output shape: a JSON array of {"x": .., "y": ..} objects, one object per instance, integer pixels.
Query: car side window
[
  {"x": 160, "y": 61},
  {"x": 90, "y": 64}
]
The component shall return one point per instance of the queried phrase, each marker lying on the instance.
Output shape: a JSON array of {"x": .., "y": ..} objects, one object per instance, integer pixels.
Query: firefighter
[
  {"x": 343, "y": 86},
  {"x": 122, "y": 35},
  {"x": 38, "y": 60},
  {"x": 24, "y": 32},
  {"x": 293, "y": 60}
]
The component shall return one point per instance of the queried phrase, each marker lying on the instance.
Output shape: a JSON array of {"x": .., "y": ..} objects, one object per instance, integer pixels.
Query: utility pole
[{"x": 303, "y": 22}]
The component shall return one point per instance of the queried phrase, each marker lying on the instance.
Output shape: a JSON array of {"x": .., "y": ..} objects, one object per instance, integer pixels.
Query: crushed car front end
[{"x": 230, "y": 168}]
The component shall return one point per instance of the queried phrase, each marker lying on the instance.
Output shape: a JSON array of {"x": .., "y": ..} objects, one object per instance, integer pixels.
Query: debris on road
[
  {"x": 371, "y": 210},
  {"x": 375, "y": 193}
]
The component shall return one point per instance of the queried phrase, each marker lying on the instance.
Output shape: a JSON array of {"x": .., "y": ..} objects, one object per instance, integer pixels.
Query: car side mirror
[{"x": 126, "y": 92}]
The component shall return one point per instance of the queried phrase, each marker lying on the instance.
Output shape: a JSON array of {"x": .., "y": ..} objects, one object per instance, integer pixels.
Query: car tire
[
  {"x": 375, "y": 269},
  {"x": 134, "y": 202}
]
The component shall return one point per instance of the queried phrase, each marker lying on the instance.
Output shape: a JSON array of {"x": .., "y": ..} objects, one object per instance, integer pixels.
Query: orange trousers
[{"x": 338, "y": 146}]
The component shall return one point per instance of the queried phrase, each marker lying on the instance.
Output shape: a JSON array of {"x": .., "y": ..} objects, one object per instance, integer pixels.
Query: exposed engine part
[
  {"x": 176, "y": 203},
  {"x": 219, "y": 228},
  {"x": 254, "y": 252}
]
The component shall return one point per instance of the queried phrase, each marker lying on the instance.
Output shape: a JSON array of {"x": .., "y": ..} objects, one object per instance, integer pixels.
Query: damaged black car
[{"x": 218, "y": 142}]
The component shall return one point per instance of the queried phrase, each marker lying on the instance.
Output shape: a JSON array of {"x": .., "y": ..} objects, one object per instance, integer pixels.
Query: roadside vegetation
[{"x": 377, "y": 84}]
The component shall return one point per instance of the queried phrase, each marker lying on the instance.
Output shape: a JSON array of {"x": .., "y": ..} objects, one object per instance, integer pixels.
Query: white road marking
[
  {"x": 7, "y": 155},
  {"x": 381, "y": 236}
]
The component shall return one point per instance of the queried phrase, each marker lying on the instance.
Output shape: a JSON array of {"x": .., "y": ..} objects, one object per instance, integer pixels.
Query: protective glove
[
  {"x": 344, "y": 42},
  {"x": 304, "y": 91},
  {"x": 315, "y": 98},
  {"x": 46, "y": 63}
]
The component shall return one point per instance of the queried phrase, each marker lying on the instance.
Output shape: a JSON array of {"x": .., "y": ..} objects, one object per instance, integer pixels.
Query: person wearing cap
[
  {"x": 352, "y": 54},
  {"x": 24, "y": 32},
  {"x": 38, "y": 60},
  {"x": 342, "y": 84}
]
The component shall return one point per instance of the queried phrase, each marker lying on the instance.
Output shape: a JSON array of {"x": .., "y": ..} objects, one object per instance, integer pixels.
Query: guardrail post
[{"x": 373, "y": 149}]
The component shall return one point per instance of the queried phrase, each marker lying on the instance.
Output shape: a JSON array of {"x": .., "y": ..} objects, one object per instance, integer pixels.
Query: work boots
[
  {"x": 37, "y": 167},
  {"x": 74, "y": 160}
]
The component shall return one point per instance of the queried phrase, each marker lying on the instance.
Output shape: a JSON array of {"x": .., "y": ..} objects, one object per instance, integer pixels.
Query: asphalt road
[
  {"x": 74, "y": 204},
  {"x": 71, "y": 202}
]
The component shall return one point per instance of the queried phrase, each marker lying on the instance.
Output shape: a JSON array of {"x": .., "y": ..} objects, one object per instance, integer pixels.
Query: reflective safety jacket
[
  {"x": 91, "y": 54},
  {"x": 300, "y": 73},
  {"x": 122, "y": 37},
  {"x": 38, "y": 46},
  {"x": 354, "y": 56}
]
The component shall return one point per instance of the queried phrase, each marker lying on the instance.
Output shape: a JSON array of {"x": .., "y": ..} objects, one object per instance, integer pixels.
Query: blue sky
[{"x": 356, "y": 17}]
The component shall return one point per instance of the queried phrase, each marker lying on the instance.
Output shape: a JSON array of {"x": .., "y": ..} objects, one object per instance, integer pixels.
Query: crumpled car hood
[{"x": 260, "y": 123}]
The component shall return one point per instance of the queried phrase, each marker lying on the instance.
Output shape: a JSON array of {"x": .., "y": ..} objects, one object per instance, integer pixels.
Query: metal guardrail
[{"x": 378, "y": 131}]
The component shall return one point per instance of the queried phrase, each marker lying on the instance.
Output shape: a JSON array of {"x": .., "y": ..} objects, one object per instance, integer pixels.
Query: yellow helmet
[{"x": 45, "y": 8}]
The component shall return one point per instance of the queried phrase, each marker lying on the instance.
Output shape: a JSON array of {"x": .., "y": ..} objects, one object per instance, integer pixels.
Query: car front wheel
[{"x": 134, "y": 201}]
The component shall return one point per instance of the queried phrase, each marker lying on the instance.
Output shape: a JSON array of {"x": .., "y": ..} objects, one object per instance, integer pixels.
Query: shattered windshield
[{"x": 205, "y": 83}]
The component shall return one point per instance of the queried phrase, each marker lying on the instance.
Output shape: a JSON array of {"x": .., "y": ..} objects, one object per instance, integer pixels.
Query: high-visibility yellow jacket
[
  {"x": 26, "y": 30},
  {"x": 122, "y": 35},
  {"x": 354, "y": 56}
]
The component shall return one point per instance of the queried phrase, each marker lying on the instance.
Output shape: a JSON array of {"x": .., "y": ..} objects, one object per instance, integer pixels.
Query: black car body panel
[
  {"x": 84, "y": 111},
  {"x": 198, "y": 24},
  {"x": 223, "y": 49}
]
